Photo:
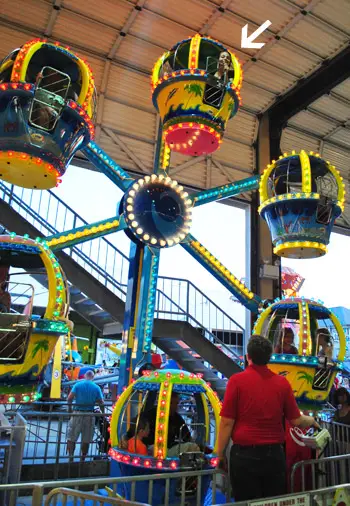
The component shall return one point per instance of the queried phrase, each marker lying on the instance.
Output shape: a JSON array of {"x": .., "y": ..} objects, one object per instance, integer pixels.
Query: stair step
[
  {"x": 79, "y": 301},
  {"x": 96, "y": 311},
  {"x": 73, "y": 290}
]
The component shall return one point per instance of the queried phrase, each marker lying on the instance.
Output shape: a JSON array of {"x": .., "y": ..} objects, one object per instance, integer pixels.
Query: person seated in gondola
[
  {"x": 179, "y": 436},
  {"x": 136, "y": 444},
  {"x": 286, "y": 342},
  {"x": 215, "y": 88},
  {"x": 224, "y": 70},
  {"x": 324, "y": 343}
]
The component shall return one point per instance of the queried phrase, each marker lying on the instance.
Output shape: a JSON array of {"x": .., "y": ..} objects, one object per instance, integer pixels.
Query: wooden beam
[
  {"x": 186, "y": 165},
  {"x": 126, "y": 149}
]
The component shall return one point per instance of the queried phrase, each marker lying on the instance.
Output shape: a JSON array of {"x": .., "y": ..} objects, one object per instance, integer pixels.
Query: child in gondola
[{"x": 136, "y": 444}]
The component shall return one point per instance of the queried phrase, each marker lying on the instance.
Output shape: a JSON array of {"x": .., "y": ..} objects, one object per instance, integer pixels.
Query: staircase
[{"x": 182, "y": 328}]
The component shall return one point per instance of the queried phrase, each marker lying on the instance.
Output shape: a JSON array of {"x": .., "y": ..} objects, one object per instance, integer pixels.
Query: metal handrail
[
  {"x": 214, "y": 338},
  {"x": 110, "y": 279},
  {"x": 19, "y": 295},
  {"x": 205, "y": 296},
  {"x": 38, "y": 489},
  {"x": 57, "y": 493},
  {"x": 316, "y": 463}
]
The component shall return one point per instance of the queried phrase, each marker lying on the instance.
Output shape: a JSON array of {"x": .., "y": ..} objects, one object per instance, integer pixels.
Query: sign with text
[{"x": 295, "y": 500}]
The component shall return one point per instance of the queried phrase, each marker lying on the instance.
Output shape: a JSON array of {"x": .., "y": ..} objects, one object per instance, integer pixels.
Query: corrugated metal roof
[
  {"x": 311, "y": 122},
  {"x": 243, "y": 128},
  {"x": 97, "y": 64},
  {"x": 256, "y": 98},
  {"x": 109, "y": 12},
  {"x": 228, "y": 30},
  {"x": 160, "y": 31},
  {"x": 335, "y": 13},
  {"x": 189, "y": 12},
  {"x": 236, "y": 154},
  {"x": 343, "y": 89},
  {"x": 138, "y": 54},
  {"x": 291, "y": 59},
  {"x": 10, "y": 40},
  {"x": 35, "y": 14},
  {"x": 339, "y": 157},
  {"x": 142, "y": 150},
  {"x": 293, "y": 139},
  {"x": 270, "y": 78},
  {"x": 122, "y": 39},
  {"x": 279, "y": 13},
  {"x": 342, "y": 137},
  {"x": 128, "y": 119},
  {"x": 75, "y": 29},
  {"x": 328, "y": 105},
  {"x": 131, "y": 87},
  {"x": 318, "y": 37}
]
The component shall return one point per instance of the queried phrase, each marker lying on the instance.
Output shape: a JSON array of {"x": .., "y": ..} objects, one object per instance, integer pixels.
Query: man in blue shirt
[{"x": 86, "y": 394}]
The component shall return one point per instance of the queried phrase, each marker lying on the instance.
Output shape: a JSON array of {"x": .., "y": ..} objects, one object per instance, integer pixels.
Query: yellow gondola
[
  {"x": 196, "y": 89},
  {"x": 154, "y": 393},
  {"x": 28, "y": 341},
  {"x": 309, "y": 364},
  {"x": 47, "y": 102}
]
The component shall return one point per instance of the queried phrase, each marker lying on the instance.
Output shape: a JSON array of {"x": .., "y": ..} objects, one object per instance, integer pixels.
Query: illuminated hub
[
  {"x": 157, "y": 211},
  {"x": 301, "y": 196}
]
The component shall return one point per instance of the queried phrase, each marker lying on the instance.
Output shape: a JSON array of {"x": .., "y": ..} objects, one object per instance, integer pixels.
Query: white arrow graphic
[{"x": 248, "y": 42}]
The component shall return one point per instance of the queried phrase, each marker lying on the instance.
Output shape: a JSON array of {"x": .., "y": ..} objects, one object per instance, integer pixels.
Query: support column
[
  {"x": 55, "y": 391},
  {"x": 261, "y": 245},
  {"x": 141, "y": 296},
  {"x": 130, "y": 315}
]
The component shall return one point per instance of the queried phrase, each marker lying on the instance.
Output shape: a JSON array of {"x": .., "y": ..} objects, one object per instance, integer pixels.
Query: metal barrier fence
[
  {"x": 324, "y": 472},
  {"x": 65, "y": 494},
  {"x": 12, "y": 438},
  {"x": 45, "y": 448},
  {"x": 45, "y": 452},
  {"x": 340, "y": 434},
  {"x": 320, "y": 497},
  {"x": 9, "y": 494}
]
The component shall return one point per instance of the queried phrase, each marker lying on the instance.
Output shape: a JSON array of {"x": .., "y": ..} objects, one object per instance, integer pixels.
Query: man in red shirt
[{"x": 256, "y": 404}]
